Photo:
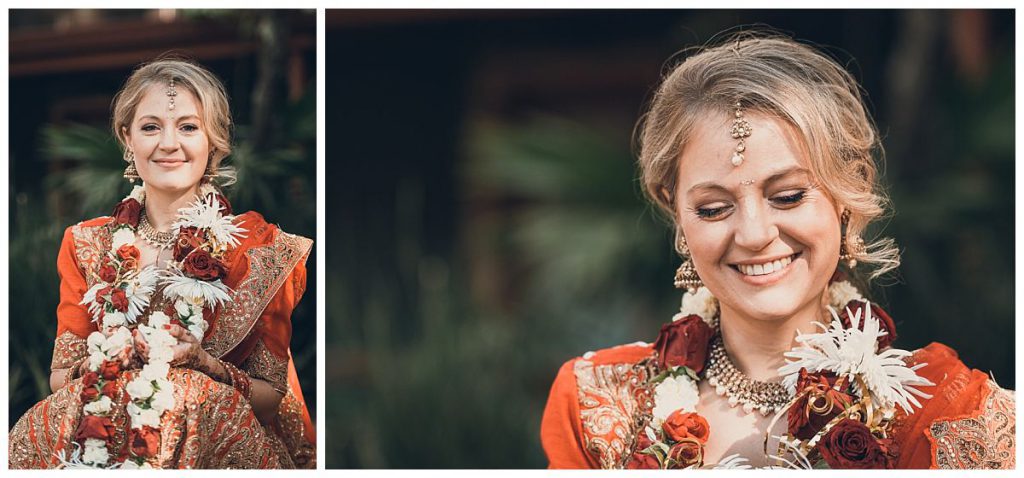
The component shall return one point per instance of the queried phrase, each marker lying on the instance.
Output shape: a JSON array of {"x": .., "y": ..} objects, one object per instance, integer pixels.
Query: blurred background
[
  {"x": 65, "y": 166},
  {"x": 485, "y": 223}
]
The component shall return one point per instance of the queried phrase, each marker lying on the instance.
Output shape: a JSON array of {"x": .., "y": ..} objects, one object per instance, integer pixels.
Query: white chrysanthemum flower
[
  {"x": 841, "y": 293},
  {"x": 701, "y": 303},
  {"x": 123, "y": 236},
  {"x": 140, "y": 388},
  {"x": 95, "y": 452},
  {"x": 154, "y": 371},
  {"x": 89, "y": 299},
  {"x": 140, "y": 291},
  {"x": 852, "y": 352},
  {"x": 205, "y": 214},
  {"x": 195, "y": 290},
  {"x": 138, "y": 193},
  {"x": 674, "y": 393},
  {"x": 99, "y": 406}
]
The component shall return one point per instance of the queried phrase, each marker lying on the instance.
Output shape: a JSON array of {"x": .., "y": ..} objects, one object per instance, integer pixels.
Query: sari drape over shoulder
[
  {"x": 593, "y": 413},
  {"x": 212, "y": 425}
]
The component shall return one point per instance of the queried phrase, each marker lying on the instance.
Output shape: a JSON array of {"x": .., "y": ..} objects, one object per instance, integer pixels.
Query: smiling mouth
[{"x": 766, "y": 268}]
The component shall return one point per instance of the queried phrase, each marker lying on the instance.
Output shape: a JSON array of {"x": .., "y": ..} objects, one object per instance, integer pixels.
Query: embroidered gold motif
[
  {"x": 68, "y": 349},
  {"x": 269, "y": 267},
  {"x": 615, "y": 404},
  {"x": 984, "y": 441},
  {"x": 291, "y": 427},
  {"x": 91, "y": 245},
  {"x": 264, "y": 365}
]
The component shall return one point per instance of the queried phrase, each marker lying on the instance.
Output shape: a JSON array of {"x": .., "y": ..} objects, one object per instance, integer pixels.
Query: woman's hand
[{"x": 188, "y": 352}]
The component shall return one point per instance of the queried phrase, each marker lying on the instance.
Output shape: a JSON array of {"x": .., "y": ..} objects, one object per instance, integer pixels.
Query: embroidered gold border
[
  {"x": 90, "y": 245},
  {"x": 985, "y": 441},
  {"x": 269, "y": 268},
  {"x": 264, "y": 365},
  {"x": 615, "y": 404}
]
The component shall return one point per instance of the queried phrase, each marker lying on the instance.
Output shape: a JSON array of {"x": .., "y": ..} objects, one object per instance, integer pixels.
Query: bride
[
  {"x": 761, "y": 152},
  {"x": 174, "y": 320}
]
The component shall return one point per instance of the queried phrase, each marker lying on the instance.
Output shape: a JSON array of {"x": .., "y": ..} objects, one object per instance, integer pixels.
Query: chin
[{"x": 172, "y": 183}]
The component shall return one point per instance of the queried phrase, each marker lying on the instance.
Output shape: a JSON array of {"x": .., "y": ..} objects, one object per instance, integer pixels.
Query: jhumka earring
[
  {"x": 130, "y": 172},
  {"x": 850, "y": 245},
  {"x": 210, "y": 174},
  {"x": 686, "y": 274}
]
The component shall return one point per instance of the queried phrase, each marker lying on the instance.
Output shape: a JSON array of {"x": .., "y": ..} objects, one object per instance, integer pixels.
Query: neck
[
  {"x": 757, "y": 346},
  {"x": 162, "y": 206}
]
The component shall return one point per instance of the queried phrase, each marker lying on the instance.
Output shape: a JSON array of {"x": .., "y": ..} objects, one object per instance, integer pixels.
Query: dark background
[
  {"x": 65, "y": 166},
  {"x": 485, "y": 222}
]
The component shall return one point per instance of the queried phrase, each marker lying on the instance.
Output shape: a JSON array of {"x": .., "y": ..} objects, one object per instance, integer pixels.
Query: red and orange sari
[
  {"x": 212, "y": 425},
  {"x": 592, "y": 416}
]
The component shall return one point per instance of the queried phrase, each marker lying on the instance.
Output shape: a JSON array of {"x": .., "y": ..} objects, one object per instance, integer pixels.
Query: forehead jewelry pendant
[
  {"x": 740, "y": 130},
  {"x": 171, "y": 93}
]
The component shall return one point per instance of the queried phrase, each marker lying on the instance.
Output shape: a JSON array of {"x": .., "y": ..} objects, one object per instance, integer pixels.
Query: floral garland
[
  {"x": 192, "y": 282},
  {"x": 846, "y": 381}
]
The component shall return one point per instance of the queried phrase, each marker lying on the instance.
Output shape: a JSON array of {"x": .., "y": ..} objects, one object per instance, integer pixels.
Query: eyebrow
[
  {"x": 793, "y": 170},
  {"x": 179, "y": 118}
]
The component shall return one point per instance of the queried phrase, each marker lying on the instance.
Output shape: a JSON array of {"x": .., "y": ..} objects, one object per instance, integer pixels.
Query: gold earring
[
  {"x": 686, "y": 274},
  {"x": 131, "y": 173},
  {"x": 210, "y": 174},
  {"x": 850, "y": 245}
]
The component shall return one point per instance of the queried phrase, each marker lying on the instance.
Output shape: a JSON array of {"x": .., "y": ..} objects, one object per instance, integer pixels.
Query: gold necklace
[
  {"x": 765, "y": 397},
  {"x": 157, "y": 239}
]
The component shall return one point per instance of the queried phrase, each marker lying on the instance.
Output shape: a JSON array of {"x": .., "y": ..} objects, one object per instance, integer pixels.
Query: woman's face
[
  {"x": 171, "y": 147},
  {"x": 763, "y": 236}
]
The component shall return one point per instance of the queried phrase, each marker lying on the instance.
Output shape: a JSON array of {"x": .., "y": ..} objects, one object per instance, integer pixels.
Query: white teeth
[{"x": 766, "y": 268}]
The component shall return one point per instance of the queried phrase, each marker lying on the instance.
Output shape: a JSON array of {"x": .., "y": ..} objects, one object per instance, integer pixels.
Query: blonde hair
[
  {"x": 208, "y": 90},
  {"x": 779, "y": 77}
]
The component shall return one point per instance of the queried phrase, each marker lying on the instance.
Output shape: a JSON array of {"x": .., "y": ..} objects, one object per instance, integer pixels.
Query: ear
[{"x": 125, "y": 134}]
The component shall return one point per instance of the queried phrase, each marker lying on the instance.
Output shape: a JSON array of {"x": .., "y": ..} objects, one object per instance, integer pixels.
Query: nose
[
  {"x": 756, "y": 229},
  {"x": 169, "y": 140}
]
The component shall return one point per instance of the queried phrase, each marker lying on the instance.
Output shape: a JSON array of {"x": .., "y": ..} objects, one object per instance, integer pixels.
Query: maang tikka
[
  {"x": 686, "y": 274},
  {"x": 740, "y": 130}
]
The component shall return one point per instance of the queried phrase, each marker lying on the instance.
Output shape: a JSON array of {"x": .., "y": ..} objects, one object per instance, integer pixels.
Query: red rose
[
  {"x": 643, "y": 461},
  {"x": 90, "y": 379},
  {"x": 103, "y": 294},
  {"x": 119, "y": 300},
  {"x": 849, "y": 444},
  {"x": 127, "y": 212},
  {"x": 128, "y": 251},
  {"x": 683, "y": 342},
  {"x": 189, "y": 239},
  {"x": 130, "y": 264},
  {"x": 686, "y": 454},
  {"x": 201, "y": 265},
  {"x": 110, "y": 388},
  {"x": 94, "y": 426},
  {"x": 682, "y": 425},
  {"x": 884, "y": 320},
  {"x": 108, "y": 273},
  {"x": 109, "y": 369},
  {"x": 145, "y": 441},
  {"x": 818, "y": 404},
  {"x": 89, "y": 394}
]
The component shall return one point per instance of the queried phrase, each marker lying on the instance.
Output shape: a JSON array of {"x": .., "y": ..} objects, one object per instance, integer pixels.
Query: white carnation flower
[
  {"x": 98, "y": 407},
  {"x": 95, "y": 360},
  {"x": 701, "y": 303},
  {"x": 123, "y": 236},
  {"x": 140, "y": 388},
  {"x": 674, "y": 393},
  {"x": 197, "y": 331},
  {"x": 95, "y": 452},
  {"x": 158, "y": 319},
  {"x": 142, "y": 416},
  {"x": 841, "y": 293},
  {"x": 182, "y": 308},
  {"x": 95, "y": 341},
  {"x": 155, "y": 371},
  {"x": 164, "y": 398},
  {"x": 138, "y": 193},
  {"x": 114, "y": 319}
]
